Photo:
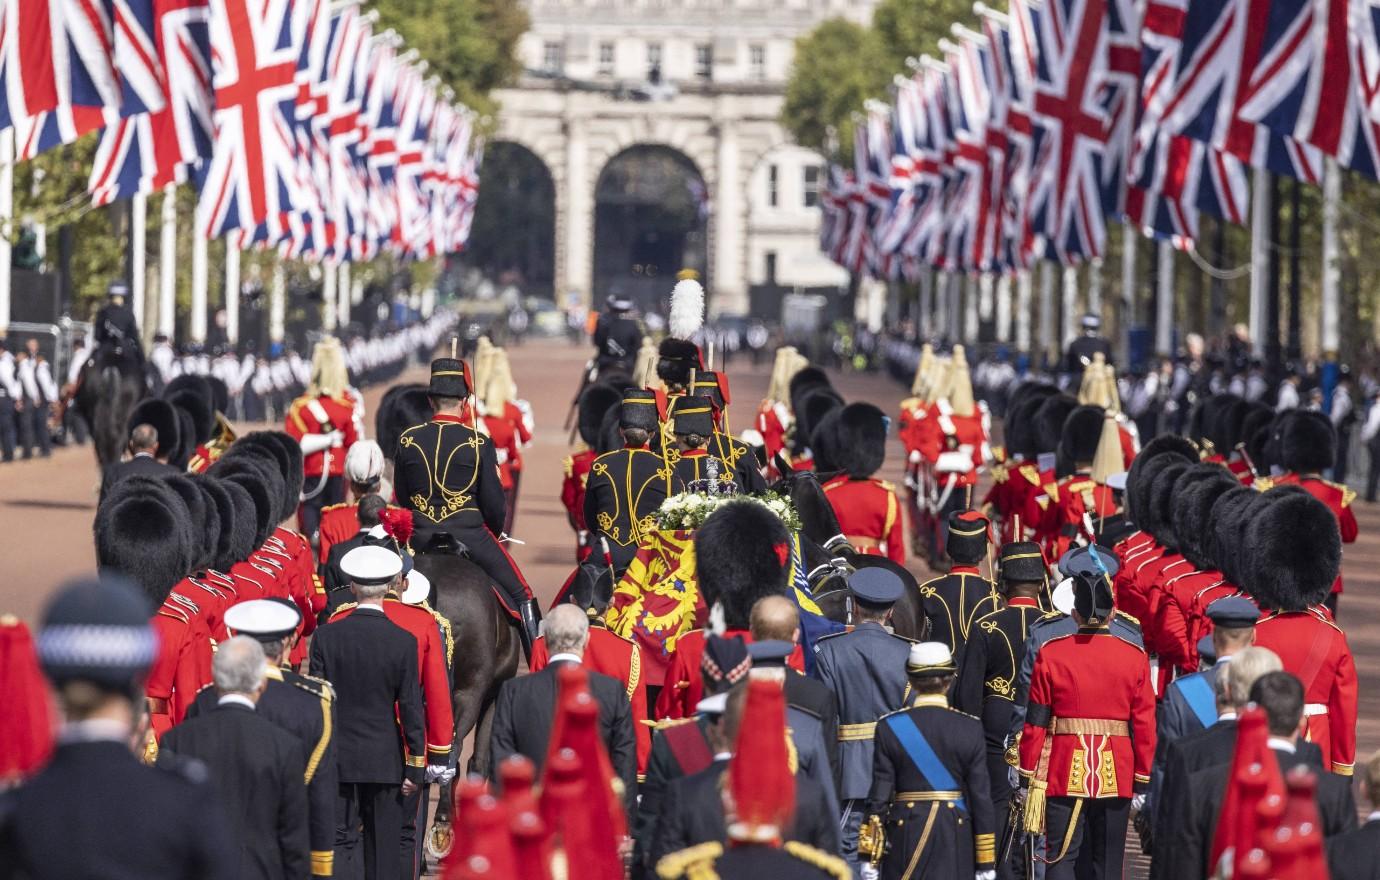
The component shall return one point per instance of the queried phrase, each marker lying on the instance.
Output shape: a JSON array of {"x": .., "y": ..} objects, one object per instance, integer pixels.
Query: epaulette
[
  {"x": 907, "y": 639},
  {"x": 1000, "y": 472},
  {"x": 1031, "y": 473},
  {"x": 964, "y": 714},
  {"x": 818, "y": 858},
  {"x": 341, "y": 609},
  {"x": 1263, "y": 484},
  {"x": 887, "y": 485},
  {"x": 569, "y": 465},
  {"x": 675, "y": 865},
  {"x": 842, "y": 632},
  {"x": 1134, "y": 620},
  {"x": 330, "y": 507},
  {"x": 1348, "y": 494},
  {"x": 311, "y": 684}
]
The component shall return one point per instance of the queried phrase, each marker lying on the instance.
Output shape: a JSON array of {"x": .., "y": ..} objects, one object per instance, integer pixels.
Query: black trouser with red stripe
[{"x": 490, "y": 555}]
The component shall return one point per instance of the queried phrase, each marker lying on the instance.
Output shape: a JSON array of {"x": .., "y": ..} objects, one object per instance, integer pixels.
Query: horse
[
  {"x": 402, "y": 407},
  {"x": 829, "y": 558},
  {"x": 486, "y": 655},
  {"x": 108, "y": 388}
]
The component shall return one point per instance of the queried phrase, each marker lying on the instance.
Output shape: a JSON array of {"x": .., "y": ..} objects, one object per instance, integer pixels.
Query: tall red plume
[
  {"x": 483, "y": 843},
  {"x": 1296, "y": 852},
  {"x": 760, "y": 782},
  {"x": 397, "y": 524},
  {"x": 516, "y": 778},
  {"x": 531, "y": 846},
  {"x": 26, "y": 724},
  {"x": 1253, "y": 781}
]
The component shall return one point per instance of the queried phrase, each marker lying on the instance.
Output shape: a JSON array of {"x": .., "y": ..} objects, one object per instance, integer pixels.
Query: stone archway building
[{"x": 715, "y": 71}]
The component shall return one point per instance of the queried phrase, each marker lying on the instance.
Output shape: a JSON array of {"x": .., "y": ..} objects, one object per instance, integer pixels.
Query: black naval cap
[
  {"x": 97, "y": 630},
  {"x": 639, "y": 410},
  {"x": 268, "y": 620},
  {"x": 449, "y": 378},
  {"x": 692, "y": 415},
  {"x": 876, "y": 586},
  {"x": 1092, "y": 597},
  {"x": 770, "y": 652},
  {"x": 1022, "y": 562},
  {"x": 1207, "y": 651},
  {"x": 1090, "y": 560},
  {"x": 1233, "y": 612}
]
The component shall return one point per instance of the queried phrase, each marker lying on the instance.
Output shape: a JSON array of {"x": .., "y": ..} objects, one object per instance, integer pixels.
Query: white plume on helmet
[
  {"x": 687, "y": 308},
  {"x": 364, "y": 462}
]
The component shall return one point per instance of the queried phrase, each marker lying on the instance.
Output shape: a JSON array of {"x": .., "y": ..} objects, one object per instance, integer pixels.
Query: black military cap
[
  {"x": 97, "y": 631},
  {"x": 1022, "y": 562},
  {"x": 638, "y": 410},
  {"x": 1233, "y": 612},
  {"x": 770, "y": 652},
  {"x": 692, "y": 415},
  {"x": 876, "y": 586},
  {"x": 967, "y": 541},
  {"x": 1092, "y": 597},
  {"x": 449, "y": 378},
  {"x": 725, "y": 662},
  {"x": 711, "y": 385}
]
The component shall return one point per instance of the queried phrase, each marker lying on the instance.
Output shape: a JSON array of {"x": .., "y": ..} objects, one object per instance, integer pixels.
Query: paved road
[{"x": 46, "y": 507}]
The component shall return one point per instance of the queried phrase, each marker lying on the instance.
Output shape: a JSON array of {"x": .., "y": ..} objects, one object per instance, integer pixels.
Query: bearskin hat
[
  {"x": 861, "y": 440},
  {"x": 610, "y": 435},
  {"x": 1272, "y": 449},
  {"x": 402, "y": 407},
  {"x": 826, "y": 443},
  {"x": 265, "y": 487},
  {"x": 1082, "y": 430},
  {"x": 1203, "y": 421},
  {"x": 1157, "y": 454},
  {"x": 1292, "y": 552},
  {"x": 194, "y": 382},
  {"x": 1255, "y": 430},
  {"x": 1307, "y": 443},
  {"x": 813, "y": 407},
  {"x": 220, "y": 394},
  {"x": 201, "y": 410},
  {"x": 1018, "y": 426},
  {"x": 676, "y": 360},
  {"x": 807, "y": 379},
  {"x": 220, "y": 512},
  {"x": 966, "y": 543},
  {"x": 1160, "y": 510},
  {"x": 294, "y": 475},
  {"x": 196, "y": 502},
  {"x": 742, "y": 554},
  {"x": 141, "y": 533},
  {"x": 186, "y": 437},
  {"x": 1228, "y": 517},
  {"x": 1225, "y": 430},
  {"x": 163, "y": 417},
  {"x": 244, "y": 524},
  {"x": 1049, "y": 420},
  {"x": 265, "y": 447},
  {"x": 1198, "y": 487},
  {"x": 595, "y": 402}
]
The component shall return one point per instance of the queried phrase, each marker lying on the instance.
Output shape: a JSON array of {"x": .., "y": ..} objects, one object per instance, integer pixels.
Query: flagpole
[
  {"x": 1023, "y": 298},
  {"x": 167, "y": 263},
  {"x": 138, "y": 263},
  {"x": 1329, "y": 316},
  {"x": 1260, "y": 256},
  {"x": 277, "y": 302},
  {"x": 1130, "y": 241},
  {"x": 1004, "y": 308},
  {"x": 1046, "y": 307},
  {"x": 6, "y": 214},
  {"x": 1164, "y": 301},
  {"x": 200, "y": 268},
  {"x": 232, "y": 293},
  {"x": 328, "y": 308},
  {"x": 1069, "y": 279},
  {"x": 344, "y": 295}
]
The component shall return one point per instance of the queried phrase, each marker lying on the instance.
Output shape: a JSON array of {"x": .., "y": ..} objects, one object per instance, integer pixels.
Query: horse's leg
[{"x": 507, "y": 650}]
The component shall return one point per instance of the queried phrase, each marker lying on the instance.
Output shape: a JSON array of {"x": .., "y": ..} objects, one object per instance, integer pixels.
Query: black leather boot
[{"x": 529, "y": 626}]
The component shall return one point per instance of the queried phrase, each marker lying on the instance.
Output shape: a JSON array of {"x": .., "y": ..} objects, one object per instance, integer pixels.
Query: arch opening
[{"x": 513, "y": 239}]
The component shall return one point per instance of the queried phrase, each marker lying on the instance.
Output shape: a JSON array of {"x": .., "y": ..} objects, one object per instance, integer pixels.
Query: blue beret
[
  {"x": 770, "y": 650},
  {"x": 1233, "y": 611},
  {"x": 876, "y": 586}
]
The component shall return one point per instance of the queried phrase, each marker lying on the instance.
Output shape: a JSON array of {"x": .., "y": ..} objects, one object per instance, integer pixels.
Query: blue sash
[
  {"x": 1200, "y": 698},
  {"x": 919, "y": 751}
]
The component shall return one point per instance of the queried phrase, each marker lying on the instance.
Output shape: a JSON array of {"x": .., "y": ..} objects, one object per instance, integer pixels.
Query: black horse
[
  {"x": 829, "y": 559},
  {"x": 108, "y": 388}
]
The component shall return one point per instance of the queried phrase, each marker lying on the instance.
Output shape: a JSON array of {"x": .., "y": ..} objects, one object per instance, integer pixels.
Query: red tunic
[
  {"x": 620, "y": 658},
  {"x": 304, "y": 417},
  {"x": 772, "y": 418},
  {"x": 1337, "y": 497},
  {"x": 1102, "y": 727},
  {"x": 431, "y": 666},
  {"x": 1315, "y": 649},
  {"x": 339, "y": 522},
  {"x": 869, "y": 515},
  {"x": 1171, "y": 635},
  {"x": 1073, "y": 498},
  {"x": 684, "y": 686},
  {"x": 573, "y": 489},
  {"x": 941, "y": 432},
  {"x": 182, "y": 666},
  {"x": 509, "y": 435}
]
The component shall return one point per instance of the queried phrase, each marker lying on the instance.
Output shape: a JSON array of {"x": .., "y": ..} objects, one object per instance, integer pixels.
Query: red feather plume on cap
[
  {"x": 760, "y": 783},
  {"x": 397, "y": 524},
  {"x": 26, "y": 724},
  {"x": 483, "y": 844}
]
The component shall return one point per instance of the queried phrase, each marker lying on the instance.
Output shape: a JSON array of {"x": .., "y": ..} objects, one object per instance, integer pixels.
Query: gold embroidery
[{"x": 1078, "y": 774}]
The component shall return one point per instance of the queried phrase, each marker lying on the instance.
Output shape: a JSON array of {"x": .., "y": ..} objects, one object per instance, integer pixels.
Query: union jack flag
[
  {"x": 1071, "y": 126},
  {"x": 833, "y": 203},
  {"x": 345, "y": 71},
  {"x": 872, "y": 159},
  {"x": 970, "y": 239},
  {"x": 930, "y": 175},
  {"x": 251, "y": 180}
]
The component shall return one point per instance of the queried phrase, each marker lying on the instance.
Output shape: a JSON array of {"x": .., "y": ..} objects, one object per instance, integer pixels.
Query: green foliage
[
  {"x": 838, "y": 67},
  {"x": 909, "y": 28}
]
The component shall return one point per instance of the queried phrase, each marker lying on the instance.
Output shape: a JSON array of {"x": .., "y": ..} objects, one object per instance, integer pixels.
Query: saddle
[{"x": 440, "y": 542}]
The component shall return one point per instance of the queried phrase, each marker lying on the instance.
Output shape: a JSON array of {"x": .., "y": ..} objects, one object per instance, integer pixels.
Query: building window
[
  {"x": 771, "y": 267},
  {"x": 553, "y": 57},
  {"x": 704, "y": 61},
  {"x": 654, "y": 62},
  {"x": 757, "y": 61},
  {"x": 811, "y": 186},
  {"x": 773, "y": 173},
  {"x": 606, "y": 59}
]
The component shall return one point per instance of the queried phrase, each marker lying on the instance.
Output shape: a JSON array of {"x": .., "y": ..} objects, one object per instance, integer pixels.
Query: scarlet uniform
[
  {"x": 945, "y": 431},
  {"x": 431, "y": 665},
  {"x": 1016, "y": 486},
  {"x": 869, "y": 514},
  {"x": 684, "y": 686},
  {"x": 1337, "y": 497},
  {"x": 182, "y": 667},
  {"x": 620, "y": 658},
  {"x": 339, "y": 522},
  {"x": 573, "y": 493},
  {"x": 1177, "y": 620},
  {"x": 1072, "y": 499},
  {"x": 509, "y": 434},
  {"x": 772, "y": 419},
  {"x": 1315, "y": 649},
  {"x": 322, "y": 415}
]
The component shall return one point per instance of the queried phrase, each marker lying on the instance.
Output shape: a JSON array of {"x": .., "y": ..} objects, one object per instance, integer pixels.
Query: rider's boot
[{"x": 529, "y": 626}]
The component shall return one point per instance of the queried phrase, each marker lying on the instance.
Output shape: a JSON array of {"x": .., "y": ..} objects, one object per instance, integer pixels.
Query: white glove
[
  {"x": 1137, "y": 803},
  {"x": 312, "y": 443},
  {"x": 868, "y": 872},
  {"x": 437, "y": 771},
  {"x": 915, "y": 456},
  {"x": 989, "y": 874}
]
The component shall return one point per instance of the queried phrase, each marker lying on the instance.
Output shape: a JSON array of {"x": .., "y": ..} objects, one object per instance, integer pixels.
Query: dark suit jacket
[
  {"x": 337, "y": 584},
  {"x": 692, "y": 812},
  {"x": 1187, "y": 850},
  {"x": 372, "y": 664},
  {"x": 95, "y": 802},
  {"x": 139, "y": 466},
  {"x": 1355, "y": 855},
  {"x": 817, "y": 699},
  {"x": 257, "y": 770},
  {"x": 663, "y": 767},
  {"x": 526, "y": 709}
]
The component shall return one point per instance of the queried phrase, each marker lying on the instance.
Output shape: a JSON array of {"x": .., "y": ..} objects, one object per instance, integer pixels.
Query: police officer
[
  {"x": 992, "y": 658},
  {"x": 1081, "y": 350},
  {"x": 446, "y": 474},
  {"x": 929, "y": 776},
  {"x": 952, "y": 602},
  {"x": 693, "y": 465},
  {"x": 617, "y": 337},
  {"x": 95, "y": 647},
  {"x": 626, "y": 486},
  {"x": 866, "y": 668},
  {"x": 115, "y": 325},
  {"x": 301, "y": 705}
]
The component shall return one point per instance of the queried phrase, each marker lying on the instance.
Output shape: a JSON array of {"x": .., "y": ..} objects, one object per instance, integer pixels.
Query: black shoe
[{"x": 529, "y": 626}]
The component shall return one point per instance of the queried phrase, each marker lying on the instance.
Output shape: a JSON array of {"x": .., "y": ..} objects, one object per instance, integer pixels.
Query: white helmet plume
[{"x": 687, "y": 309}]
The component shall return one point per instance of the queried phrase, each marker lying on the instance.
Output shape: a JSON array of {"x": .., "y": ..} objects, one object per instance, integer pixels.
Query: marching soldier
[
  {"x": 867, "y": 508},
  {"x": 1080, "y": 501},
  {"x": 301, "y": 705},
  {"x": 626, "y": 486},
  {"x": 323, "y": 421},
  {"x": 773, "y": 422},
  {"x": 866, "y": 668},
  {"x": 953, "y": 442},
  {"x": 736, "y": 454},
  {"x": 507, "y": 428},
  {"x": 692, "y": 462},
  {"x": 1100, "y": 733},
  {"x": 929, "y": 776},
  {"x": 447, "y": 476},
  {"x": 992, "y": 659},
  {"x": 952, "y": 602},
  {"x": 1016, "y": 482}
]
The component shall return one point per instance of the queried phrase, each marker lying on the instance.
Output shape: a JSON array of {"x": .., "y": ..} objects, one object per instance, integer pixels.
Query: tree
[
  {"x": 838, "y": 66},
  {"x": 909, "y": 28}
]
